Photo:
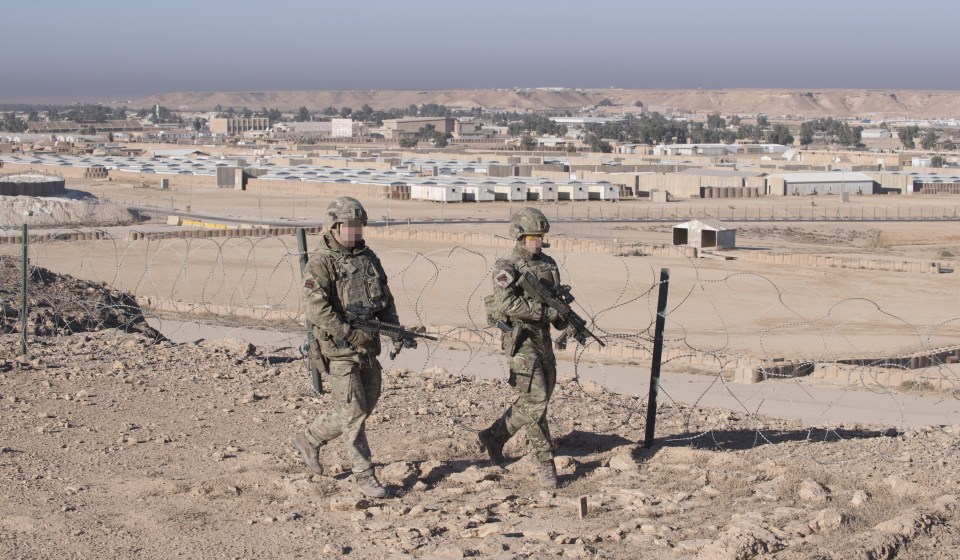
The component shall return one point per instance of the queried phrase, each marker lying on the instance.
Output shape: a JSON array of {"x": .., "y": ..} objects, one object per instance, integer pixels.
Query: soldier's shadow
[
  {"x": 578, "y": 443},
  {"x": 437, "y": 475},
  {"x": 582, "y": 444}
]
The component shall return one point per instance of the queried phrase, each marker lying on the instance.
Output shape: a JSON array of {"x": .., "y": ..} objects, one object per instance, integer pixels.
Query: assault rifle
[
  {"x": 559, "y": 298},
  {"x": 364, "y": 320}
]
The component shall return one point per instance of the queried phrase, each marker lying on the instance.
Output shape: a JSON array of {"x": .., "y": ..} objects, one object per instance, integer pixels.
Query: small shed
[
  {"x": 705, "y": 234},
  {"x": 437, "y": 193},
  {"x": 479, "y": 193},
  {"x": 546, "y": 193},
  {"x": 513, "y": 192},
  {"x": 572, "y": 191},
  {"x": 603, "y": 191}
]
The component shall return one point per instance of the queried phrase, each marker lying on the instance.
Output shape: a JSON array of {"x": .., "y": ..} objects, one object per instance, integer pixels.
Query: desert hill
[{"x": 774, "y": 102}]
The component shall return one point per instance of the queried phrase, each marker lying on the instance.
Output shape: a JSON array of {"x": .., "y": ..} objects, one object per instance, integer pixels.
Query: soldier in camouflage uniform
[
  {"x": 343, "y": 272},
  {"x": 528, "y": 346}
]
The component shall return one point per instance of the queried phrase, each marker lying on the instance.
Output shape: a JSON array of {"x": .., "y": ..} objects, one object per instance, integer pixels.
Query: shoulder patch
[
  {"x": 503, "y": 278},
  {"x": 314, "y": 289}
]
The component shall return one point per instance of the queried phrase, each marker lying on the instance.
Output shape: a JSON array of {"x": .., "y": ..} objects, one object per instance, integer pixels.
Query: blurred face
[
  {"x": 533, "y": 243},
  {"x": 349, "y": 233}
]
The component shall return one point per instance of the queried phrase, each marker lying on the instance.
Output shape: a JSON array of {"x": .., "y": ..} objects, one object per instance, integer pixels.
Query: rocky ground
[
  {"x": 118, "y": 444},
  {"x": 60, "y": 304}
]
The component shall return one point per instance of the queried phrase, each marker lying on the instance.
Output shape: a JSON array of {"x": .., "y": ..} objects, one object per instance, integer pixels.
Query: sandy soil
[{"x": 115, "y": 445}]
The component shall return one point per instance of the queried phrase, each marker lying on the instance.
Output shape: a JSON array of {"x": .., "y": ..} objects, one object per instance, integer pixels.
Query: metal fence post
[
  {"x": 24, "y": 300},
  {"x": 655, "y": 359}
]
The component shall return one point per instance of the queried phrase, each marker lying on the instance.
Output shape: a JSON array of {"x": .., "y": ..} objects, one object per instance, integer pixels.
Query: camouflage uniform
[
  {"x": 528, "y": 346},
  {"x": 337, "y": 277}
]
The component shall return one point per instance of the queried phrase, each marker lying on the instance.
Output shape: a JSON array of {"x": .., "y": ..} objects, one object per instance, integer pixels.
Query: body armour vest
[
  {"x": 543, "y": 266},
  {"x": 361, "y": 281}
]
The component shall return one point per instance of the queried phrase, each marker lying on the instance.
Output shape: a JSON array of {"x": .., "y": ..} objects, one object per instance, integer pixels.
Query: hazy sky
[{"x": 122, "y": 49}]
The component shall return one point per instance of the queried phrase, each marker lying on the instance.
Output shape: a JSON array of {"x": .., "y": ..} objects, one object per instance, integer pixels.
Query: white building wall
[{"x": 341, "y": 128}]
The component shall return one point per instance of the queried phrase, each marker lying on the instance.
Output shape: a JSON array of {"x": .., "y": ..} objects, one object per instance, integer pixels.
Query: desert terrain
[
  {"x": 774, "y": 102},
  {"x": 120, "y": 443},
  {"x": 115, "y": 445}
]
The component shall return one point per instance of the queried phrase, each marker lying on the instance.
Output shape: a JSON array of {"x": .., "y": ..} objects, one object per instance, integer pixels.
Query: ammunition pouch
[
  {"x": 522, "y": 368},
  {"x": 511, "y": 341},
  {"x": 317, "y": 357}
]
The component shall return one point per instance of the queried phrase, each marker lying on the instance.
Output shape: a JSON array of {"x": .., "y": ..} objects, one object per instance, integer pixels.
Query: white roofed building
[{"x": 827, "y": 182}]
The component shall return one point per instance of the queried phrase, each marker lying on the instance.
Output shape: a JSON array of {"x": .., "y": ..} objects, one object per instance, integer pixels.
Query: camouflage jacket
[
  {"x": 511, "y": 304},
  {"x": 336, "y": 278}
]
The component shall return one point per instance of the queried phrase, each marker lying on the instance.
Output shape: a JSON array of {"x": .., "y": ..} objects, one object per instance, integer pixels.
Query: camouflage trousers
[
  {"x": 355, "y": 387},
  {"x": 529, "y": 409}
]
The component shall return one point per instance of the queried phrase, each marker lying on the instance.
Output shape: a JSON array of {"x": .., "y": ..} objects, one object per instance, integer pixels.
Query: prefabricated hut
[
  {"x": 479, "y": 193},
  {"x": 705, "y": 234},
  {"x": 513, "y": 192},
  {"x": 437, "y": 193},
  {"x": 546, "y": 193},
  {"x": 572, "y": 191},
  {"x": 603, "y": 191}
]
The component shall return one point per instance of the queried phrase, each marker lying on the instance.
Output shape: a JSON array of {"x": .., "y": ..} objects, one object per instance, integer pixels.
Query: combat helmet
[
  {"x": 528, "y": 221},
  {"x": 345, "y": 208}
]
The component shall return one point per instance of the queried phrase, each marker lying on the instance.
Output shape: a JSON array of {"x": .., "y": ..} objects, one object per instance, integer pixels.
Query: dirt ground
[{"x": 114, "y": 445}]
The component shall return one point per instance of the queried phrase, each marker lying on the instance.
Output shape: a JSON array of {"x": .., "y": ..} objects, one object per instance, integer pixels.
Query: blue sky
[{"x": 129, "y": 49}]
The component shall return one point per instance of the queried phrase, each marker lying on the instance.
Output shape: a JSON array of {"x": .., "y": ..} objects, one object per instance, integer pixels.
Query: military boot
[
  {"x": 492, "y": 439},
  {"x": 547, "y": 473},
  {"x": 308, "y": 451},
  {"x": 369, "y": 485}
]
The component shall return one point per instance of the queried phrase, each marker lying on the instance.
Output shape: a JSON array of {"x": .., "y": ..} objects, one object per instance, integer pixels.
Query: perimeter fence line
[
  {"x": 819, "y": 209},
  {"x": 567, "y": 244},
  {"x": 457, "y": 240},
  {"x": 727, "y": 327}
]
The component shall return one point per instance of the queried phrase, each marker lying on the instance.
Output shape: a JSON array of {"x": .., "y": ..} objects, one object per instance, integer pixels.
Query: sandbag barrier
[
  {"x": 204, "y": 233},
  {"x": 58, "y": 236}
]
